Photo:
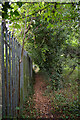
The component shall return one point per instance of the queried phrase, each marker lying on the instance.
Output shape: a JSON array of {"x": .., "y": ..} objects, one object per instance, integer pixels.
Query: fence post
[
  {"x": 21, "y": 83},
  {"x": 12, "y": 78},
  {"x": 19, "y": 57},
  {"x": 10, "y": 74},
  {"x": 16, "y": 72},
  {"x": 3, "y": 80},
  {"x": 7, "y": 79}
]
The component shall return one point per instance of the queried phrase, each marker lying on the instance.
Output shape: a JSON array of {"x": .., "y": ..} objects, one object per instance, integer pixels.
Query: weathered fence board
[
  {"x": 3, "y": 80},
  {"x": 7, "y": 80},
  {"x": 10, "y": 75},
  {"x": 16, "y": 75}
]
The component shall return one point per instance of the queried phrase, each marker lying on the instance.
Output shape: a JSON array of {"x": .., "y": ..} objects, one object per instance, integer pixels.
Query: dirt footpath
[{"x": 42, "y": 103}]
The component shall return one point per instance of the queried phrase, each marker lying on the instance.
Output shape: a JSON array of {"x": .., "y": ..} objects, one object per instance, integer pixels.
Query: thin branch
[
  {"x": 23, "y": 41},
  {"x": 28, "y": 28},
  {"x": 74, "y": 66},
  {"x": 25, "y": 32},
  {"x": 41, "y": 43}
]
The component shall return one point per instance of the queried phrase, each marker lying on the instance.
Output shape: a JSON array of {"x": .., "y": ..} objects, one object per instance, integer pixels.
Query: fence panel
[{"x": 16, "y": 75}]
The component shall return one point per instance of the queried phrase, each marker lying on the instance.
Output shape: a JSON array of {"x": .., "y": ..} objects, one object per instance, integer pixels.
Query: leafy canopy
[{"x": 53, "y": 33}]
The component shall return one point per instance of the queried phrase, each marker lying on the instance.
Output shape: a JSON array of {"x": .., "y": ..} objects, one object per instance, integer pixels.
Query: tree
[{"x": 46, "y": 30}]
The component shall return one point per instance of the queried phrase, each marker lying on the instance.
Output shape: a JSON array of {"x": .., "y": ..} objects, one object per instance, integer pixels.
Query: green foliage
[
  {"x": 4, "y": 9},
  {"x": 53, "y": 44},
  {"x": 17, "y": 108},
  {"x": 29, "y": 110},
  {"x": 13, "y": 9},
  {"x": 54, "y": 32}
]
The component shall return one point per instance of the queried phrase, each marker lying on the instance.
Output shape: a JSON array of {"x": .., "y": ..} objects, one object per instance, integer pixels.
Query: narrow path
[{"x": 42, "y": 103}]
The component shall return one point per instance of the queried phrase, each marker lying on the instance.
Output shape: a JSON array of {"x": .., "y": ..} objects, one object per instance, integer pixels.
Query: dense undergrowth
[
  {"x": 64, "y": 101},
  {"x": 29, "y": 110}
]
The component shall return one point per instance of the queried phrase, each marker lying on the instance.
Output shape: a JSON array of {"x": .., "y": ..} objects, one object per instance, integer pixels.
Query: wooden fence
[{"x": 16, "y": 75}]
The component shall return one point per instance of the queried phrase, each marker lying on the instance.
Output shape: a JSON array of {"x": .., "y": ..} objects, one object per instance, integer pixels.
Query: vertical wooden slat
[
  {"x": 19, "y": 76},
  {"x": 7, "y": 79},
  {"x": 28, "y": 73},
  {"x": 13, "y": 72},
  {"x": 12, "y": 79},
  {"x": 31, "y": 68},
  {"x": 3, "y": 80},
  {"x": 21, "y": 81},
  {"x": 10, "y": 74},
  {"x": 17, "y": 89},
  {"x": 15, "y": 77}
]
